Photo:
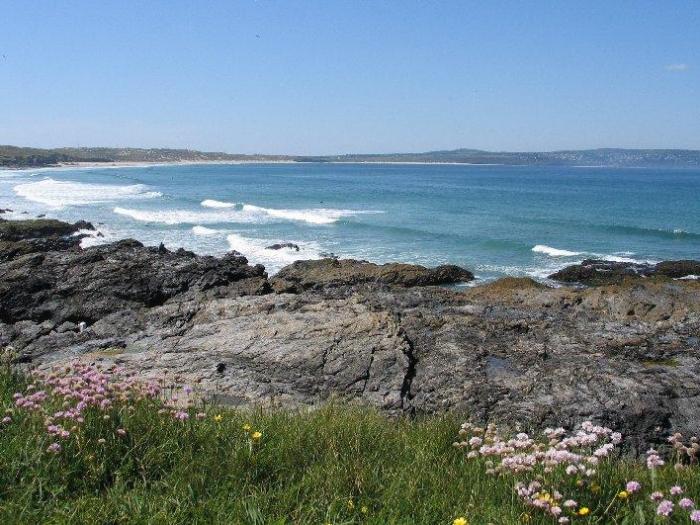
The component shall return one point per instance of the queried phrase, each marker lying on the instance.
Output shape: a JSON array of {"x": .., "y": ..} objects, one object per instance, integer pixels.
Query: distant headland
[{"x": 21, "y": 157}]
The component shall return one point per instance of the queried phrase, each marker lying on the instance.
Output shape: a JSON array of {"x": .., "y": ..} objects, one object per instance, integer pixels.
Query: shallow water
[{"x": 495, "y": 220}]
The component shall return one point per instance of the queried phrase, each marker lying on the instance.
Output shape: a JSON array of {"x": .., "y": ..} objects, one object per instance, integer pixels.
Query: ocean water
[{"x": 494, "y": 220}]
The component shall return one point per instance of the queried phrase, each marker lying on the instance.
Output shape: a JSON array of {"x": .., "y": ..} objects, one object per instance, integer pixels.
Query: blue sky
[{"x": 332, "y": 76}]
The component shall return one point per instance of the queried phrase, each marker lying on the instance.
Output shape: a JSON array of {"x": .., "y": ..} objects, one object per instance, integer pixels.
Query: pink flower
[
  {"x": 570, "y": 504},
  {"x": 121, "y": 432},
  {"x": 665, "y": 508},
  {"x": 54, "y": 447},
  {"x": 656, "y": 496},
  {"x": 686, "y": 503},
  {"x": 676, "y": 490},
  {"x": 181, "y": 416},
  {"x": 695, "y": 516},
  {"x": 101, "y": 441},
  {"x": 201, "y": 415},
  {"x": 633, "y": 486},
  {"x": 7, "y": 419}
]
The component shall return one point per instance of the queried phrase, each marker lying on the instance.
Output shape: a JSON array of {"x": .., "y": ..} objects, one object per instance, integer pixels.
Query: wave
[
  {"x": 59, "y": 194},
  {"x": 246, "y": 214},
  {"x": 554, "y": 252},
  {"x": 256, "y": 251},
  {"x": 203, "y": 230},
  {"x": 211, "y": 203}
]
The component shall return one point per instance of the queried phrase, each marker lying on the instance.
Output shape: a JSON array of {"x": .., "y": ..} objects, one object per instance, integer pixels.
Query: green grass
[{"x": 306, "y": 468}]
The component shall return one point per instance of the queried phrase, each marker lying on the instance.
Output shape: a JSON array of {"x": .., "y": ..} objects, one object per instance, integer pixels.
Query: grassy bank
[{"x": 125, "y": 457}]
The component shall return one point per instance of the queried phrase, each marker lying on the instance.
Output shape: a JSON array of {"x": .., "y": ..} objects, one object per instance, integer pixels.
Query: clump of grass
[{"x": 81, "y": 445}]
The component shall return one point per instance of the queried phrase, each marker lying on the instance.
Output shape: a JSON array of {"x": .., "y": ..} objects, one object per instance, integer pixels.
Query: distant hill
[
  {"x": 594, "y": 157},
  {"x": 13, "y": 156}
]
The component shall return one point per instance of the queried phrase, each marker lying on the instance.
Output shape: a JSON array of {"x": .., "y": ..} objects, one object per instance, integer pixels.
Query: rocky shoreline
[{"x": 624, "y": 351}]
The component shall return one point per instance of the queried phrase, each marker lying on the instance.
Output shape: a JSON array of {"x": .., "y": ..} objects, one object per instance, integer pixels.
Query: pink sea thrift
[
  {"x": 665, "y": 508},
  {"x": 656, "y": 496},
  {"x": 676, "y": 490},
  {"x": 121, "y": 432},
  {"x": 54, "y": 448},
  {"x": 633, "y": 486},
  {"x": 695, "y": 516},
  {"x": 686, "y": 503}
]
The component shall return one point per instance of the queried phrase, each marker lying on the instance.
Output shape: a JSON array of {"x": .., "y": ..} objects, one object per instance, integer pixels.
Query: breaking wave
[
  {"x": 245, "y": 214},
  {"x": 256, "y": 251},
  {"x": 59, "y": 194},
  {"x": 554, "y": 252}
]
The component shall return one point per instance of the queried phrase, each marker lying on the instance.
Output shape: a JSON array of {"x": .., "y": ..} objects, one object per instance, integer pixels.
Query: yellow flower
[
  {"x": 623, "y": 495},
  {"x": 460, "y": 521},
  {"x": 364, "y": 510},
  {"x": 525, "y": 518},
  {"x": 595, "y": 488},
  {"x": 584, "y": 511},
  {"x": 246, "y": 428},
  {"x": 351, "y": 505},
  {"x": 256, "y": 436},
  {"x": 218, "y": 418}
]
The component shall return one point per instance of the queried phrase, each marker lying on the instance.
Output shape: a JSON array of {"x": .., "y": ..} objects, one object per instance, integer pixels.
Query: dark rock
[
  {"x": 5, "y": 210},
  {"x": 678, "y": 269},
  {"x": 279, "y": 246},
  {"x": 325, "y": 273},
  {"x": 596, "y": 272},
  {"x": 38, "y": 228},
  {"x": 86, "y": 285}
]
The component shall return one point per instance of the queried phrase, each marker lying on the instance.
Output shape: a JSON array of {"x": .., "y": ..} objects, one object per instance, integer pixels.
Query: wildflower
[
  {"x": 256, "y": 436},
  {"x": 686, "y": 503},
  {"x": 54, "y": 447},
  {"x": 460, "y": 521},
  {"x": 563, "y": 520},
  {"x": 218, "y": 418},
  {"x": 633, "y": 486},
  {"x": 105, "y": 417},
  {"x": 181, "y": 416},
  {"x": 571, "y": 470},
  {"x": 101, "y": 441},
  {"x": 570, "y": 504},
  {"x": 584, "y": 511},
  {"x": 676, "y": 490},
  {"x": 656, "y": 496},
  {"x": 595, "y": 488},
  {"x": 7, "y": 419},
  {"x": 623, "y": 495},
  {"x": 555, "y": 510},
  {"x": 665, "y": 508},
  {"x": 201, "y": 415},
  {"x": 121, "y": 432},
  {"x": 246, "y": 427},
  {"x": 695, "y": 516},
  {"x": 350, "y": 504},
  {"x": 364, "y": 510}
]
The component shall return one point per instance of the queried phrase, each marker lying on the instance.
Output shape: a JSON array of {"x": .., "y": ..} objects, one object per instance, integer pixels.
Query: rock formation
[{"x": 627, "y": 355}]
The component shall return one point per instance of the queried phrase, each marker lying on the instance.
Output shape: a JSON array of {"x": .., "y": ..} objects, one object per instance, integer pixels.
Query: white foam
[
  {"x": 690, "y": 277},
  {"x": 59, "y": 194},
  {"x": 246, "y": 214},
  {"x": 203, "y": 230},
  {"x": 211, "y": 203},
  {"x": 617, "y": 258},
  {"x": 256, "y": 251},
  {"x": 554, "y": 252}
]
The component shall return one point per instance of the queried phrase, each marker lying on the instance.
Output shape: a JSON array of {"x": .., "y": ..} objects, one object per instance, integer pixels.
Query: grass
[{"x": 338, "y": 464}]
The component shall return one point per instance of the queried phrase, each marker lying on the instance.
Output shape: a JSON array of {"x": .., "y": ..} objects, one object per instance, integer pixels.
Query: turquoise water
[{"x": 494, "y": 220}]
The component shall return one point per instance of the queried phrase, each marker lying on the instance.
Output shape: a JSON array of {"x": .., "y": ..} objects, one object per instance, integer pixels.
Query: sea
[{"x": 493, "y": 220}]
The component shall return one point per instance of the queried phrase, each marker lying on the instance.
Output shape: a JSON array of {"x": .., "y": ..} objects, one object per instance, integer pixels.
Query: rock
[
  {"x": 89, "y": 284},
  {"x": 513, "y": 351},
  {"x": 678, "y": 269},
  {"x": 279, "y": 246},
  {"x": 5, "y": 210},
  {"x": 596, "y": 272},
  {"x": 325, "y": 273},
  {"x": 39, "y": 228}
]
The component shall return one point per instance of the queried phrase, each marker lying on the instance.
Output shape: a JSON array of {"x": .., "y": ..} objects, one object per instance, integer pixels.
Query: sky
[{"x": 336, "y": 76}]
